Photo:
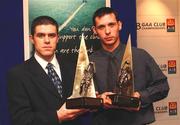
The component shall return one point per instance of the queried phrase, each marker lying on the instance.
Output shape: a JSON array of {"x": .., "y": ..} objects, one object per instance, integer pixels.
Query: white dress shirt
[{"x": 44, "y": 63}]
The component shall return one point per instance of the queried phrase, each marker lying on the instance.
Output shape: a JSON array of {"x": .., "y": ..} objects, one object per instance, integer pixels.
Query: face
[
  {"x": 45, "y": 40},
  {"x": 107, "y": 28}
]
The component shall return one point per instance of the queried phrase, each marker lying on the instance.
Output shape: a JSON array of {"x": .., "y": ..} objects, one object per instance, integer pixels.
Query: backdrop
[{"x": 158, "y": 28}]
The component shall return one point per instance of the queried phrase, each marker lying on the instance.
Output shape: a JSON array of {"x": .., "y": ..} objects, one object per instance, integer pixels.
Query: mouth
[
  {"x": 108, "y": 38},
  {"x": 47, "y": 47}
]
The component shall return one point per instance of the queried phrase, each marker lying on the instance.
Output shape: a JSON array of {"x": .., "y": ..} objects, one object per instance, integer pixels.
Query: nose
[
  {"x": 46, "y": 39},
  {"x": 107, "y": 30}
]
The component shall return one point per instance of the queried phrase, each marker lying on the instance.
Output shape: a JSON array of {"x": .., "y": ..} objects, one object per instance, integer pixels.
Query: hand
[
  {"x": 69, "y": 114},
  {"x": 107, "y": 102},
  {"x": 137, "y": 95}
]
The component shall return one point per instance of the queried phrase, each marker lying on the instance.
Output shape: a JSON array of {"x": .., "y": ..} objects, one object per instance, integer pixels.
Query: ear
[
  {"x": 120, "y": 25},
  {"x": 94, "y": 29},
  {"x": 31, "y": 39}
]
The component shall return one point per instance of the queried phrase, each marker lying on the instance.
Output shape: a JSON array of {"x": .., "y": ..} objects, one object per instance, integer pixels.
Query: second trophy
[{"x": 124, "y": 88}]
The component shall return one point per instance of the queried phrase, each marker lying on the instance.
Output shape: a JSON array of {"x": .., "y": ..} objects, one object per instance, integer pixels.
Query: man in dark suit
[
  {"x": 33, "y": 98},
  {"x": 150, "y": 84}
]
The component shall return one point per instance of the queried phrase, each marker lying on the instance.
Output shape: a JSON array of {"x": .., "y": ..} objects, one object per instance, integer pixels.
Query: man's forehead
[{"x": 45, "y": 29}]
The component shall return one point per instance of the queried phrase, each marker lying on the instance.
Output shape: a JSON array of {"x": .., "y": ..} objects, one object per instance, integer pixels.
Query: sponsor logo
[
  {"x": 161, "y": 109},
  {"x": 172, "y": 67},
  {"x": 170, "y": 24},
  {"x": 172, "y": 108},
  {"x": 163, "y": 67},
  {"x": 151, "y": 25}
]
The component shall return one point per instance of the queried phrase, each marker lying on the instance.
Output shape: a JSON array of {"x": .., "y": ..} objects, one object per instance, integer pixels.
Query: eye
[
  {"x": 112, "y": 24},
  {"x": 40, "y": 35},
  {"x": 52, "y": 35},
  {"x": 100, "y": 27}
]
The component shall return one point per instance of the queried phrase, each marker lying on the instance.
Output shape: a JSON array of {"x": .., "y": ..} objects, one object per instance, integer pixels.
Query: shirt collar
[{"x": 44, "y": 63}]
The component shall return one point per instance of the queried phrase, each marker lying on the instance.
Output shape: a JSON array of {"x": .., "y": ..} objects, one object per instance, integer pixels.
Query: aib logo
[
  {"x": 170, "y": 24},
  {"x": 172, "y": 67},
  {"x": 172, "y": 108}
]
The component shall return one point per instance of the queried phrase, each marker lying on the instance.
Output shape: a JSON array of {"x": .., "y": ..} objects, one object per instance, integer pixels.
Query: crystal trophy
[
  {"x": 125, "y": 83},
  {"x": 83, "y": 95}
]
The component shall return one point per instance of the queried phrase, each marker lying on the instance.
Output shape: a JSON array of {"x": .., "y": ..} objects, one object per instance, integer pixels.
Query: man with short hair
[
  {"x": 150, "y": 84},
  {"x": 38, "y": 88}
]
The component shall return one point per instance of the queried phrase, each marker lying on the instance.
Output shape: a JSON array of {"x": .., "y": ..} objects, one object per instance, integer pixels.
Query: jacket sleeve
[
  {"x": 157, "y": 87},
  {"x": 21, "y": 110}
]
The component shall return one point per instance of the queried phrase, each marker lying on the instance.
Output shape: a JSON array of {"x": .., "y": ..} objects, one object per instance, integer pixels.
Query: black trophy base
[
  {"x": 125, "y": 101},
  {"x": 84, "y": 102}
]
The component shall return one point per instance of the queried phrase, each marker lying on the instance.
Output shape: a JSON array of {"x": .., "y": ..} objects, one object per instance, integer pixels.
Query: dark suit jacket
[{"x": 33, "y": 100}]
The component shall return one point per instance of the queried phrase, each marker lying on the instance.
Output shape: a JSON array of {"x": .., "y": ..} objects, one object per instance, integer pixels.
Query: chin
[
  {"x": 48, "y": 54},
  {"x": 109, "y": 43}
]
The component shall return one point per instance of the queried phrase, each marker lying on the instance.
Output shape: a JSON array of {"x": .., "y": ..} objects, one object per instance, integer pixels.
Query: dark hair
[
  {"x": 43, "y": 20},
  {"x": 103, "y": 11}
]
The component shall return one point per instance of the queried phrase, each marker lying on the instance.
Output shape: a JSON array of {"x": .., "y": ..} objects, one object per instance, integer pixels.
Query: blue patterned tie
[{"x": 55, "y": 78}]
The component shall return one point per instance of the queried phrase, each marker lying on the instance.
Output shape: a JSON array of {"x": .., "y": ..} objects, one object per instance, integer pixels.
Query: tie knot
[
  {"x": 112, "y": 57},
  {"x": 49, "y": 66}
]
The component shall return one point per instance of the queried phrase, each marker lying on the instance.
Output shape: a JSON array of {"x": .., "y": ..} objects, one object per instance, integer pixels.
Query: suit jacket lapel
[
  {"x": 41, "y": 76},
  {"x": 63, "y": 76},
  {"x": 67, "y": 72}
]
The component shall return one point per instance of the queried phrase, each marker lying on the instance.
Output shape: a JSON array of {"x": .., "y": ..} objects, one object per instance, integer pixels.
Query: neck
[
  {"x": 46, "y": 58},
  {"x": 111, "y": 48}
]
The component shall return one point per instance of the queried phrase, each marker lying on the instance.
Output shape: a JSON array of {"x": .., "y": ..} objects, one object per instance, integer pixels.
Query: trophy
[
  {"x": 83, "y": 95},
  {"x": 125, "y": 83}
]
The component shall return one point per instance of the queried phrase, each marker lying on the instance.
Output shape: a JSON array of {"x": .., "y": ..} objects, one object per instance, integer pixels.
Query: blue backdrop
[
  {"x": 127, "y": 14},
  {"x": 12, "y": 47},
  {"x": 11, "y": 32}
]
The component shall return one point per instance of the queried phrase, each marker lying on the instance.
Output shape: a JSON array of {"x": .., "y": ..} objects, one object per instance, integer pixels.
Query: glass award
[
  {"x": 83, "y": 95},
  {"x": 124, "y": 88}
]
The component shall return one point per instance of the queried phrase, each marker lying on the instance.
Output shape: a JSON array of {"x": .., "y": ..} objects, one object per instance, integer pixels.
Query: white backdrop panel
[
  {"x": 164, "y": 46},
  {"x": 158, "y": 25}
]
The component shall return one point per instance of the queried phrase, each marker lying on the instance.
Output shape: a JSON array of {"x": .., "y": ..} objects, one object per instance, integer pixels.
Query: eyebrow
[
  {"x": 45, "y": 33},
  {"x": 103, "y": 25}
]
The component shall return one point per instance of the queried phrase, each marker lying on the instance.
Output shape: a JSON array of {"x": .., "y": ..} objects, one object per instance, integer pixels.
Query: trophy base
[
  {"x": 84, "y": 102},
  {"x": 125, "y": 101}
]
